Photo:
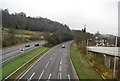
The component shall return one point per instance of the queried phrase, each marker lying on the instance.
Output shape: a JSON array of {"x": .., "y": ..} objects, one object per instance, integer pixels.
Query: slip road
[{"x": 55, "y": 64}]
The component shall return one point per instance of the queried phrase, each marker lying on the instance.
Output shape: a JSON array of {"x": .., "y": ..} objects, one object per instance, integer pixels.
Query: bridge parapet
[{"x": 113, "y": 51}]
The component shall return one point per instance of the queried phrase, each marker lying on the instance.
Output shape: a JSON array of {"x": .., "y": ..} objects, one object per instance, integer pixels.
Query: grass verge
[
  {"x": 19, "y": 35},
  {"x": 82, "y": 67},
  {"x": 11, "y": 66}
]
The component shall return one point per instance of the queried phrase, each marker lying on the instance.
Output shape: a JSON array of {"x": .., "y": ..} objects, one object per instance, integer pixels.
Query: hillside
[
  {"x": 20, "y": 28},
  {"x": 21, "y": 21}
]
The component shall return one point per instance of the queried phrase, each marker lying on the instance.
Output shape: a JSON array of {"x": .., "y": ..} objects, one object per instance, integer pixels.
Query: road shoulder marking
[
  {"x": 23, "y": 65},
  {"x": 32, "y": 65}
]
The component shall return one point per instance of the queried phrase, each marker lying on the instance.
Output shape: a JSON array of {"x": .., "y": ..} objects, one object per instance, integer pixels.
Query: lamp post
[
  {"x": 115, "y": 59},
  {"x": 88, "y": 44}
]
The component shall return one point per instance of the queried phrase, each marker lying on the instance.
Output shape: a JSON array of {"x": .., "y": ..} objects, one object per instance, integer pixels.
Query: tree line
[
  {"x": 21, "y": 21},
  {"x": 55, "y": 32}
]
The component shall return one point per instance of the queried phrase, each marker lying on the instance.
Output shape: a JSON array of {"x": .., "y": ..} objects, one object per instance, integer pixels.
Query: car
[
  {"x": 63, "y": 46},
  {"x": 37, "y": 44},
  {"x": 21, "y": 49},
  {"x": 27, "y": 45}
]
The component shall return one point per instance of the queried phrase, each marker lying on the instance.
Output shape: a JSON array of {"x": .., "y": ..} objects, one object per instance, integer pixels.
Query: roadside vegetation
[
  {"x": 82, "y": 67},
  {"x": 53, "y": 39},
  {"x": 98, "y": 62},
  {"x": 16, "y": 37},
  {"x": 53, "y": 31},
  {"x": 11, "y": 66},
  {"x": 83, "y": 39}
]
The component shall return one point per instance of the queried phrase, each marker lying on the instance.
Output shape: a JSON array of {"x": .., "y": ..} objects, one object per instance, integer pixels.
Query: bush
[
  {"x": 6, "y": 43},
  {"x": 82, "y": 49},
  {"x": 90, "y": 57},
  {"x": 48, "y": 45}
]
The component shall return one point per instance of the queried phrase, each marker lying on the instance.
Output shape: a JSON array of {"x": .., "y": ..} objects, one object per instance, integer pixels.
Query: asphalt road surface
[
  {"x": 54, "y": 65},
  {"x": 13, "y": 52}
]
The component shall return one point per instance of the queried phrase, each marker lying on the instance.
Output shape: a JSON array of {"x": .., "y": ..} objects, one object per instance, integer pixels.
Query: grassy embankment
[
  {"x": 16, "y": 37},
  {"x": 11, "y": 66},
  {"x": 82, "y": 67}
]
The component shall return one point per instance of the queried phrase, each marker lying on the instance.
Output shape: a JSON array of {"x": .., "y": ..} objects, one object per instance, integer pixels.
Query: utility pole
[
  {"x": 87, "y": 45},
  {"x": 115, "y": 60}
]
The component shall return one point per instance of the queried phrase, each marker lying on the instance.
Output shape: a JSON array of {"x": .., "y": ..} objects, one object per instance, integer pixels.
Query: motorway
[
  {"x": 13, "y": 52},
  {"x": 53, "y": 65}
]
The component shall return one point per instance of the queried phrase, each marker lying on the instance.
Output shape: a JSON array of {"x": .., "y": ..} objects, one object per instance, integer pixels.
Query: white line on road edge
[
  {"x": 31, "y": 76},
  {"x": 51, "y": 58},
  {"x": 74, "y": 70},
  {"x": 69, "y": 77},
  {"x": 24, "y": 73},
  {"x": 23, "y": 65},
  {"x": 46, "y": 64},
  {"x": 41, "y": 75},
  {"x": 49, "y": 76}
]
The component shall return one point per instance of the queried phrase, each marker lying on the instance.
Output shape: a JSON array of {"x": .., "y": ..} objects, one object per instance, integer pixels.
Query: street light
[
  {"x": 115, "y": 58},
  {"x": 88, "y": 44}
]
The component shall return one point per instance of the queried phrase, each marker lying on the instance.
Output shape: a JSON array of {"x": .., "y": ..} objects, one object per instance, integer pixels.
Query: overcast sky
[{"x": 97, "y": 15}]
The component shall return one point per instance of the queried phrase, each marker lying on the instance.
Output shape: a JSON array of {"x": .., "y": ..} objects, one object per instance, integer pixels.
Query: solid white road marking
[
  {"x": 51, "y": 58},
  {"x": 46, "y": 64},
  {"x": 76, "y": 77},
  {"x": 49, "y": 76},
  {"x": 60, "y": 75},
  {"x": 23, "y": 74},
  {"x": 69, "y": 77},
  {"x": 41, "y": 74},
  {"x": 31, "y": 76},
  {"x": 25, "y": 64}
]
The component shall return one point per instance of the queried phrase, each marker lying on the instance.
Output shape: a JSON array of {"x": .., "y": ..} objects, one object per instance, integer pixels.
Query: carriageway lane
[
  {"x": 55, "y": 64},
  {"x": 9, "y": 55}
]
